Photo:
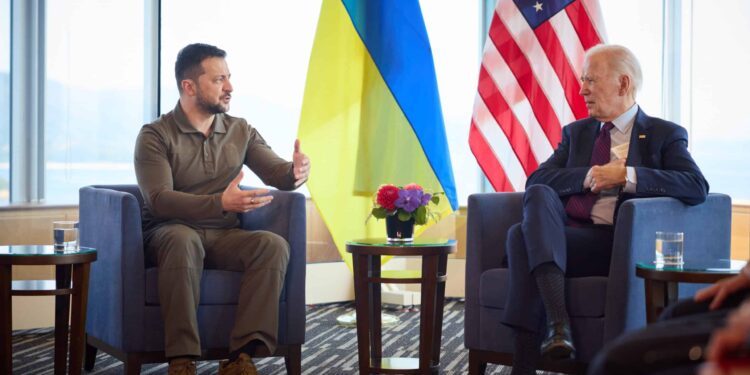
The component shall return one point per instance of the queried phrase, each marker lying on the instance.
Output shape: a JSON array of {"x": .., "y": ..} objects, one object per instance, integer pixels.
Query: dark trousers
[
  {"x": 673, "y": 345},
  {"x": 182, "y": 252},
  {"x": 544, "y": 236}
]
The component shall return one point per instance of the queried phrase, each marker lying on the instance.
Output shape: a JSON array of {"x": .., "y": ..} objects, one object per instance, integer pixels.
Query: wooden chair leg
[
  {"x": 476, "y": 366},
  {"x": 293, "y": 360},
  {"x": 89, "y": 357},
  {"x": 132, "y": 365}
]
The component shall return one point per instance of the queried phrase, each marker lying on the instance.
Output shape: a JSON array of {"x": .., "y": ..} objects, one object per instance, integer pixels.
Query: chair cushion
[
  {"x": 585, "y": 296},
  {"x": 224, "y": 287}
]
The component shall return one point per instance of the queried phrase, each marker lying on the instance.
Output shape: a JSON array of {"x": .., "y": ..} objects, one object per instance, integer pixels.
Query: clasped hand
[
  {"x": 236, "y": 200},
  {"x": 608, "y": 176}
]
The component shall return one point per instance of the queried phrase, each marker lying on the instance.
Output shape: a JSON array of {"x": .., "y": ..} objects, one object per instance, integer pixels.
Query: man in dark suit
[{"x": 616, "y": 154}]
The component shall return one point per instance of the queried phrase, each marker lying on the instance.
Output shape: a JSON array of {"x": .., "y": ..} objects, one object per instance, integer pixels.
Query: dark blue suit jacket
[{"x": 658, "y": 151}]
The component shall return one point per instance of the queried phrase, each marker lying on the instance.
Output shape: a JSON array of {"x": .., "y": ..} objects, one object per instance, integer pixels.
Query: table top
[
  {"x": 44, "y": 254},
  {"x": 718, "y": 265},
  {"x": 418, "y": 242},
  {"x": 420, "y": 246},
  {"x": 698, "y": 272}
]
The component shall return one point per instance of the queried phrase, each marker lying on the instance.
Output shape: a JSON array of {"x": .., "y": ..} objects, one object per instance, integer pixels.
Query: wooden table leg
[
  {"x": 6, "y": 320},
  {"x": 654, "y": 295},
  {"x": 439, "y": 303},
  {"x": 673, "y": 293},
  {"x": 656, "y": 298},
  {"x": 427, "y": 314},
  {"x": 78, "y": 319},
  {"x": 62, "y": 316},
  {"x": 376, "y": 307},
  {"x": 362, "y": 302}
]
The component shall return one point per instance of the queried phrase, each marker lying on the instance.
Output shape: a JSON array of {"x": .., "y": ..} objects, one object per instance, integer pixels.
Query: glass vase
[{"x": 399, "y": 231}]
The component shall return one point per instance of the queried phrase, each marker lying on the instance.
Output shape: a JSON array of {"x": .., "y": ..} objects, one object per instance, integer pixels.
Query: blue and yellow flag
[{"x": 371, "y": 113}]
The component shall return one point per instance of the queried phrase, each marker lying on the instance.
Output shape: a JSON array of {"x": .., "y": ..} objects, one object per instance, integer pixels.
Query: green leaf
[
  {"x": 435, "y": 199},
  {"x": 403, "y": 215},
  {"x": 379, "y": 212},
  {"x": 420, "y": 215}
]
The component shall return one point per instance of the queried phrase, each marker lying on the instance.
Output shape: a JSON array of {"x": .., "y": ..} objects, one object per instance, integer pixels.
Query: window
[
  {"x": 455, "y": 42},
  {"x": 268, "y": 48},
  {"x": 94, "y": 94},
  {"x": 4, "y": 101},
  {"x": 638, "y": 25},
  {"x": 720, "y": 134}
]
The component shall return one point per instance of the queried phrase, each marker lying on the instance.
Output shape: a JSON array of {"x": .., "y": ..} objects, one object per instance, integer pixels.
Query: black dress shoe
[{"x": 558, "y": 344}]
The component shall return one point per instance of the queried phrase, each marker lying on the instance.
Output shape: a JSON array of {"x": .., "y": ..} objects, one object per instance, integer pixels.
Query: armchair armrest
[
  {"x": 281, "y": 216},
  {"x": 490, "y": 215},
  {"x": 286, "y": 216},
  {"x": 110, "y": 221},
  {"x": 707, "y": 229}
]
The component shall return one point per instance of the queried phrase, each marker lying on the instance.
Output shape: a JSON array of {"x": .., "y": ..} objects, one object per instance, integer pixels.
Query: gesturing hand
[
  {"x": 301, "y": 165},
  {"x": 235, "y": 200},
  {"x": 719, "y": 291}
]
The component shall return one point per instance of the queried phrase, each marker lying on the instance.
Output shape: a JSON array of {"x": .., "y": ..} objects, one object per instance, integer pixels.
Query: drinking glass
[
  {"x": 669, "y": 248},
  {"x": 65, "y": 235}
]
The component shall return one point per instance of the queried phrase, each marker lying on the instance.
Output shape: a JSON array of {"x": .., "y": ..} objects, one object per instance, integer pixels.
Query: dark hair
[{"x": 189, "y": 59}]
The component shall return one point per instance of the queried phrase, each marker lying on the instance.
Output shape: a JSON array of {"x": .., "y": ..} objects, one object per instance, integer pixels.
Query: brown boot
[
  {"x": 181, "y": 367},
  {"x": 243, "y": 365}
]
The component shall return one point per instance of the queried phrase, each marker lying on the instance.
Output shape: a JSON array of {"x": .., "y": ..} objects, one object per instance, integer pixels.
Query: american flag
[{"x": 528, "y": 84}]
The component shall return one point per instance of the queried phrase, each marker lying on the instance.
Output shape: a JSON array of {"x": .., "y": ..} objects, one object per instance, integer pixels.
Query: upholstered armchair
[
  {"x": 601, "y": 308},
  {"x": 124, "y": 316}
]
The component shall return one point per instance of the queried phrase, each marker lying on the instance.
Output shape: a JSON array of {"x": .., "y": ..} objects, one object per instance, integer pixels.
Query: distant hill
[{"x": 82, "y": 125}]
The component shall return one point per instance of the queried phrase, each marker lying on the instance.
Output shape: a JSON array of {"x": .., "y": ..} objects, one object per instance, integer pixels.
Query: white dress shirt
[{"x": 604, "y": 208}]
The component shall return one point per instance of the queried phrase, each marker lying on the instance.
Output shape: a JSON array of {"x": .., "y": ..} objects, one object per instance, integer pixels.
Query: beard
[{"x": 212, "y": 108}]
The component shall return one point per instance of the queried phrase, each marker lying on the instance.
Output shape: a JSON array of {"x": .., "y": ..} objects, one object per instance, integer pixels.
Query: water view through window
[{"x": 94, "y": 94}]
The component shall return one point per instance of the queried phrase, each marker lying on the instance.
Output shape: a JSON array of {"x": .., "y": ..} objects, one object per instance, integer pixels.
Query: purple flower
[
  {"x": 426, "y": 199},
  {"x": 409, "y": 200}
]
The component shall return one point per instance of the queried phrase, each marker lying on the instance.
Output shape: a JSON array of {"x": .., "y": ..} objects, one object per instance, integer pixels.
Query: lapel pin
[{"x": 641, "y": 136}]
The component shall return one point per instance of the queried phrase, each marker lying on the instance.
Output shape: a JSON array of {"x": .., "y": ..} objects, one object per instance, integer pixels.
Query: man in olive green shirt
[{"x": 189, "y": 164}]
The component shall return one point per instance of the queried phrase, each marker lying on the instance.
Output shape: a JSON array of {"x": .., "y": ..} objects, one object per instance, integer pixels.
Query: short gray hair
[{"x": 622, "y": 61}]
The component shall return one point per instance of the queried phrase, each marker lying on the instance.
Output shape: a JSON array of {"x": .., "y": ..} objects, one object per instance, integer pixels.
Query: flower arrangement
[{"x": 408, "y": 202}]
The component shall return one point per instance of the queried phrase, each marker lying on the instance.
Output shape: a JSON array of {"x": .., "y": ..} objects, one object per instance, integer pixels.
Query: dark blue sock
[{"x": 551, "y": 282}]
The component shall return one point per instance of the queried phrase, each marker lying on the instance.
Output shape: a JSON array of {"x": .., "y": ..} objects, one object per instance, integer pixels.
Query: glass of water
[
  {"x": 669, "y": 248},
  {"x": 65, "y": 235}
]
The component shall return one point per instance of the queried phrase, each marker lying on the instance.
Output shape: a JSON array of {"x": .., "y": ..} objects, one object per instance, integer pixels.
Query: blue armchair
[
  {"x": 601, "y": 308},
  {"x": 123, "y": 316}
]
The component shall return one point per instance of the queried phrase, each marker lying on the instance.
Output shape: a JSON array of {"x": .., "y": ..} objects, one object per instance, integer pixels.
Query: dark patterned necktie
[{"x": 579, "y": 206}]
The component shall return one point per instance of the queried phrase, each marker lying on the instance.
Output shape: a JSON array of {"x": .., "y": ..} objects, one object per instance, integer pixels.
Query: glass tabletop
[
  {"x": 718, "y": 266},
  {"x": 36, "y": 250},
  {"x": 418, "y": 242}
]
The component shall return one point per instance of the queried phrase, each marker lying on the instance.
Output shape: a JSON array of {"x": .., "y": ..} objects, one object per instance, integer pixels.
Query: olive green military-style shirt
[{"x": 182, "y": 173}]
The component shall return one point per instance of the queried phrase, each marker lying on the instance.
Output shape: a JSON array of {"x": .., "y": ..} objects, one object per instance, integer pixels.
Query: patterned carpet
[{"x": 329, "y": 348}]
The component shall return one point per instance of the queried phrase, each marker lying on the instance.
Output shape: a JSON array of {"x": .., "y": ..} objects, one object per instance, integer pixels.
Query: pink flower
[{"x": 413, "y": 186}]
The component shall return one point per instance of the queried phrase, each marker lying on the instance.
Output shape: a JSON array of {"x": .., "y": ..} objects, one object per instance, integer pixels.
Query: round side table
[
  {"x": 661, "y": 282},
  {"x": 366, "y": 255},
  {"x": 61, "y": 288}
]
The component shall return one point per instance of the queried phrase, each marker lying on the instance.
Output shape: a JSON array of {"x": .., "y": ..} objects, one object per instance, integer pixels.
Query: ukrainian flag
[{"x": 371, "y": 114}]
